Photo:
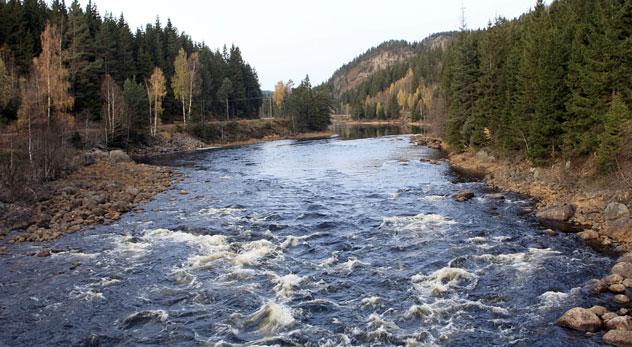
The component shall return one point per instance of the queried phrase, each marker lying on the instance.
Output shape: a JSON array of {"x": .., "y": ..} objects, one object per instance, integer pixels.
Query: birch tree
[
  {"x": 156, "y": 91},
  {"x": 185, "y": 81},
  {"x": 113, "y": 109}
]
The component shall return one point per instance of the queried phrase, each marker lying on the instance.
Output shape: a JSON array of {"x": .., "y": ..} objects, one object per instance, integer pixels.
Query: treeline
[
  {"x": 95, "y": 46},
  {"x": 71, "y": 79},
  {"x": 306, "y": 108},
  {"x": 553, "y": 83}
]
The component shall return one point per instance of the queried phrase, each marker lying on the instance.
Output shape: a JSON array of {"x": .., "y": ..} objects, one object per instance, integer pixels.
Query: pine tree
[{"x": 609, "y": 146}]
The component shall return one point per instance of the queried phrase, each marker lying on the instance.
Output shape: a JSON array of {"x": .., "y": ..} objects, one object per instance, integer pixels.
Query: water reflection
[{"x": 351, "y": 131}]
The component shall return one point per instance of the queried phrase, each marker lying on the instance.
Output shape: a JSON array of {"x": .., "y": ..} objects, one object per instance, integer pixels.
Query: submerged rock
[
  {"x": 556, "y": 214},
  {"x": 580, "y": 319},
  {"x": 464, "y": 196},
  {"x": 619, "y": 338}
]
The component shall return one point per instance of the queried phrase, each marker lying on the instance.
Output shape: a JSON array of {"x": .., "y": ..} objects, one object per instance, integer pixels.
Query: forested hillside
[
  {"x": 554, "y": 83},
  {"x": 92, "y": 46},
  {"x": 403, "y": 88}
]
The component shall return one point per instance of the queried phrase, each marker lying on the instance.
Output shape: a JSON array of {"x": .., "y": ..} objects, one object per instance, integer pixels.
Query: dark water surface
[{"x": 327, "y": 242}]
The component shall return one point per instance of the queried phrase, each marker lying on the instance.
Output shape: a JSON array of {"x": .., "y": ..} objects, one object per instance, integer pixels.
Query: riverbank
[
  {"x": 178, "y": 139},
  {"x": 564, "y": 195},
  {"x": 108, "y": 185},
  {"x": 568, "y": 194}
]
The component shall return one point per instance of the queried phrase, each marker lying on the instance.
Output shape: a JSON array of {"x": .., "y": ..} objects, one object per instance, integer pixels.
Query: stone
[
  {"x": 550, "y": 232},
  {"x": 619, "y": 323},
  {"x": 621, "y": 299},
  {"x": 599, "y": 310},
  {"x": 118, "y": 156},
  {"x": 588, "y": 235},
  {"x": 620, "y": 230},
  {"x": 614, "y": 279},
  {"x": 43, "y": 253},
  {"x": 618, "y": 338},
  {"x": 580, "y": 319},
  {"x": 599, "y": 286},
  {"x": 615, "y": 211},
  {"x": 497, "y": 196},
  {"x": 464, "y": 196},
  {"x": 622, "y": 269},
  {"x": 617, "y": 288},
  {"x": 627, "y": 282},
  {"x": 608, "y": 316},
  {"x": 623, "y": 311},
  {"x": 484, "y": 157},
  {"x": 557, "y": 213}
]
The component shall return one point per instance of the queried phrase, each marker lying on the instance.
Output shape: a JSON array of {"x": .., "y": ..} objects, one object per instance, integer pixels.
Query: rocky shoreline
[
  {"x": 106, "y": 186},
  {"x": 597, "y": 211}
]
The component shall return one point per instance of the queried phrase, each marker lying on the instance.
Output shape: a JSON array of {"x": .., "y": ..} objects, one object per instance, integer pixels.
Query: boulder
[
  {"x": 484, "y": 157},
  {"x": 621, "y": 299},
  {"x": 621, "y": 229},
  {"x": 615, "y": 211},
  {"x": 588, "y": 235},
  {"x": 627, "y": 282},
  {"x": 599, "y": 286},
  {"x": 118, "y": 156},
  {"x": 622, "y": 269},
  {"x": 599, "y": 310},
  {"x": 619, "y": 323},
  {"x": 580, "y": 319},
  {"x": 626, "y": 258},
  {"x": 613, "y": 279},
  {"x": 619, "y": 338},
  {"x": 617, "y": 288},
  {"x": 557, "y": 213},
  {"x": 497, "y": 196},
  {"x": 608, "y": 316},
  {"x": 464, "y": 196}
]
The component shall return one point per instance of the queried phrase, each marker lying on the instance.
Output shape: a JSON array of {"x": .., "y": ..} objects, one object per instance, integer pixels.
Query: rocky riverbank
[
  {"x": 571, "y": 199},
  {"x": 106, "y": 186}
]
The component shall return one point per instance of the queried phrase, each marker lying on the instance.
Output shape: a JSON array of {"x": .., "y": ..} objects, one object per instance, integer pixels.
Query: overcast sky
[{"x": 287, "y": 39}]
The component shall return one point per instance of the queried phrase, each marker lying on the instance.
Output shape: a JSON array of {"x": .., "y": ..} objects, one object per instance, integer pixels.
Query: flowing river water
[{"x": 315, "y": 243}]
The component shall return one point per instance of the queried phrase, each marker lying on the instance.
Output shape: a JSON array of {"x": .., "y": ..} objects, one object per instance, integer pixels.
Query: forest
[
  {"x": 554, "y": 83},
  {"x": 72, "y": 79}
]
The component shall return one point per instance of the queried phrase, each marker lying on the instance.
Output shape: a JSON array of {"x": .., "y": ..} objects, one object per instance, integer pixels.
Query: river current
[{"x": 316, "y": 243}]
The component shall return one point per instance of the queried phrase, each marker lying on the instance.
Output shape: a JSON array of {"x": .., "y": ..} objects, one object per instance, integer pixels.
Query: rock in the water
[
  {"x": 617, "y": 288},
  {"x": 551, "y": 232},
  {"x": 557, "y": 214},
  {"x": 599, "y": 286},
  {"x": 619, "y": 323},
  {"x": 621, "y": 299},
  {"x": 43, "y": 253},
  {"x": 619, "y": 338},
  {"x": 464, "y": 196},
  {"x": 497, "y": 196},
  {"x": 599, "y": 310},
  {"x": 580, "y": 319},
  {"x": 118, "y": 156},
  {"x": 615, "y": 210},
  {"x": 588, "y": 235},
  {"x": 626, "y": 258},
  {"x": 623, "y": 311},
  {"x": 623, "y": 269},
  {"x": 627, "y": 283}
]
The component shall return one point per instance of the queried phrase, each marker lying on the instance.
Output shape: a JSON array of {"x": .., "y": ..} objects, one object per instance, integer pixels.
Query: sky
[{"x": 287, "y": 39}]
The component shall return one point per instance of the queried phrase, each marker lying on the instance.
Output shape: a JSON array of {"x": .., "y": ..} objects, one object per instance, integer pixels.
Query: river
[{"x": 318, "y": 243}]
